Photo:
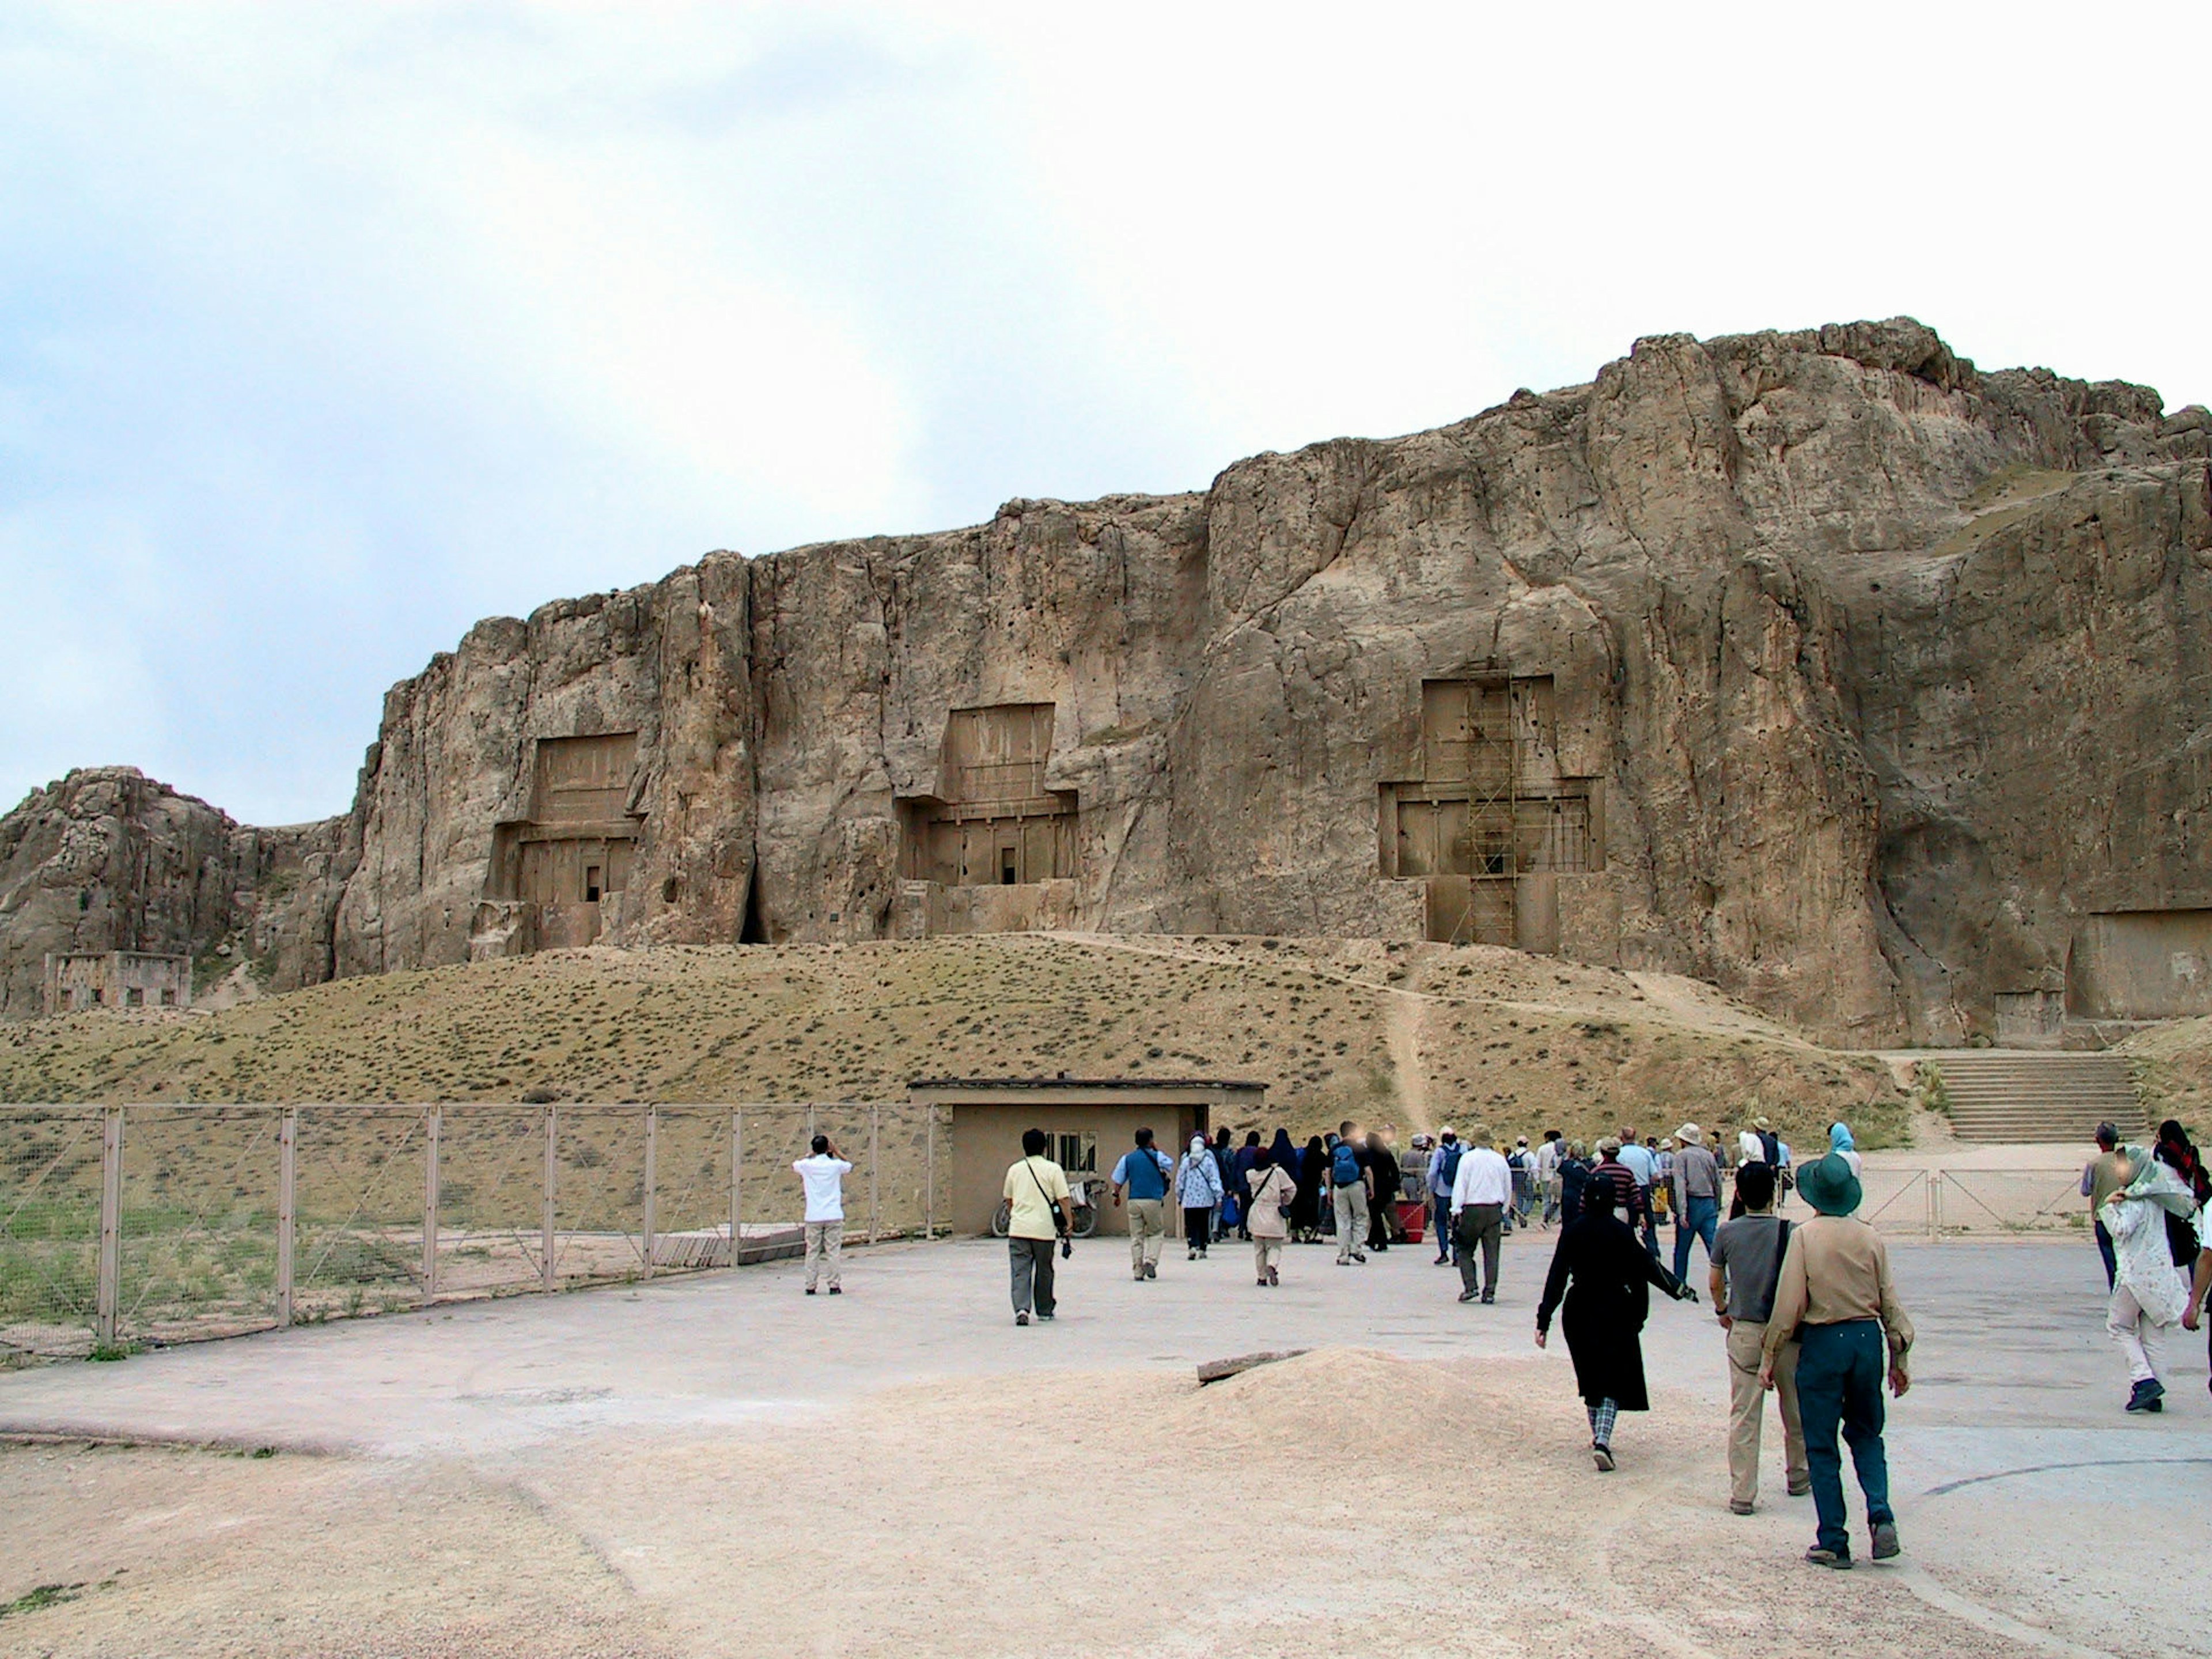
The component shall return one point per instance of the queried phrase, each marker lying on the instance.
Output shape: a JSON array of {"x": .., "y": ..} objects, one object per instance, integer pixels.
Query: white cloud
[{"x": 351, "y": 324}]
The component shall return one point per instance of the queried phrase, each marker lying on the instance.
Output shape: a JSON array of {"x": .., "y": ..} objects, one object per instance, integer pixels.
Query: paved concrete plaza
[{"x": 2021, "y": 1485}]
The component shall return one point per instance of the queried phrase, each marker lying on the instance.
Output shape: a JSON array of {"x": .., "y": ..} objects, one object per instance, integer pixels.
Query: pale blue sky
[{"x": 326, "y": 330}]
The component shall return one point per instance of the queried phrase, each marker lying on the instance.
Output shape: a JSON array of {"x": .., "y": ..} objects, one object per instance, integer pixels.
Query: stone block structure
[{"x": 78, "y": 980}]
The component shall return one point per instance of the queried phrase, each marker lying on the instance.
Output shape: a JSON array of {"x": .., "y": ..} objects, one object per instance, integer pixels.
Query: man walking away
[
  {"x": 1548, "y": 1156},
  {"x": 1198, "y": 1190},
  {"x": 1523, "y": 1163},
  {"x": 1142, "y": 1175},
  {"x": 1444, "y": 1170},
  {"x": 1348, "y": 1179},
  {"x": 1269, "y": 1217},
  {"x": 2101, "y": 1176},
  {"x": 1746, "y": 1263},
  {"x": 1835, "y": 1289},
  {"x": 1042, "y": 1212},
  {"x": 1480, "y": 1193},
  {"x": 1610, "y": 1171},
  {"x": 1633, "y": 1156},
  {"x": 1697, "y": 1196},
  {"x": 822, "y": 1176},
  {"x": 1382, "y": 1170}
]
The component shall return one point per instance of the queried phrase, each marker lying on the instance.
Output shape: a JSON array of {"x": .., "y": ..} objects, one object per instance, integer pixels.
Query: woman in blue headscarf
[{"x": 1840, "y": 1140}]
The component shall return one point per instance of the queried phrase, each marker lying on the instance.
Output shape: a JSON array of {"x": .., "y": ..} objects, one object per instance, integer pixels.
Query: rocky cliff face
[{"x": 1842, "y": 674}]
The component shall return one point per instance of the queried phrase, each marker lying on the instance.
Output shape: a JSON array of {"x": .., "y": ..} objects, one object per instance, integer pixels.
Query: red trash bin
[{"x": 1413, "y": 1220}]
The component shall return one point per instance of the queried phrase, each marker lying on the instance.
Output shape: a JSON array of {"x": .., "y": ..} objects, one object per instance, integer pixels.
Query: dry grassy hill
[
  {"x": 2172, "y": 1066},
  {"x": 1421, "y": 1035}
]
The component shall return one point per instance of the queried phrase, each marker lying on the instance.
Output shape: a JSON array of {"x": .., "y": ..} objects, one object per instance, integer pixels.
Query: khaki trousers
[
  {"x": 1746, "y": 1340},
  {"x": 1350, "y": 1222},
  {"x": 1266, "y": 1256},
  {"x": 825, "y": 1251},
  {"x": 1146, "y": 1230}
]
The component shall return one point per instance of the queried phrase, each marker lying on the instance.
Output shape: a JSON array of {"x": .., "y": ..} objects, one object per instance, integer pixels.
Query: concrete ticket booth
[{"x": 1089, "y": 1123}]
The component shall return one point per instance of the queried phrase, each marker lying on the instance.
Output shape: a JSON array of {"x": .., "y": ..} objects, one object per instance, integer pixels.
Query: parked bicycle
[{"x": 1087, "y": 1190}]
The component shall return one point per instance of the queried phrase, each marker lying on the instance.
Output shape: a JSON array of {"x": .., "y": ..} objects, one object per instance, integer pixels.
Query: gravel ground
[{"x": 1336, "y": 1501}]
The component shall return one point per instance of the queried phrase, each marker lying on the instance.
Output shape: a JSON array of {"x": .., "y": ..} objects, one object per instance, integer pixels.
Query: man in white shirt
[
  {"x": 824, "y": 1175},
  {"x": 1480, "y": 1191},
  {"x": 1548, "y": 1156}
]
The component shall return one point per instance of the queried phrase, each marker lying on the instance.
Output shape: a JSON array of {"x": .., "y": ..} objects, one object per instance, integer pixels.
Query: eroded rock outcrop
[
  {"x": 1818, "y": 665},
  {"x": 107, "y": 860}
]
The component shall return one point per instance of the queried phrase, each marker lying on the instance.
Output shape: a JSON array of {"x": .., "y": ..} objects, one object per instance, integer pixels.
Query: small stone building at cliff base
[
  {"x": 1089, "y": 1122},
  {"x": 77, "y": 980}
]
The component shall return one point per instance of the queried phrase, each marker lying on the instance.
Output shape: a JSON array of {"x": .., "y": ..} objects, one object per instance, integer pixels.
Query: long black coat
[{"x": 1603, "y": 1273}]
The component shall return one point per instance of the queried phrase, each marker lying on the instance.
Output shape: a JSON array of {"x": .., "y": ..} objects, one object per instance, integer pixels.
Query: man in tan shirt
[{"x": 1835, "y": 1295}]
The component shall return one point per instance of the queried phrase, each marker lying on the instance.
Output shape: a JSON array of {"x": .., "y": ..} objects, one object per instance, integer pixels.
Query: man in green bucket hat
[{"x": 1835, "y": 1297}]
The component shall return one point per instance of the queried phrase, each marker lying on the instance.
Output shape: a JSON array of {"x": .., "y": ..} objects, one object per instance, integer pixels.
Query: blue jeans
[
  {"x": 2105, "y": 1250},
  {"x": 1700, "y": 1219},
  {"x": 1840, "y": 1376},
  {"x": 1440, "y": 1203}
]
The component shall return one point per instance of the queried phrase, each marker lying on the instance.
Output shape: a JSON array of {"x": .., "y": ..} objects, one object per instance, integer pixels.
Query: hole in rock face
[{"x": 753, "y": 930}]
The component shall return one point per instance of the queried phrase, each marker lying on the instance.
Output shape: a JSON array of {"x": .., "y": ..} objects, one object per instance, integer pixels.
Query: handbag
[{"x": 1059, "y": 1217}]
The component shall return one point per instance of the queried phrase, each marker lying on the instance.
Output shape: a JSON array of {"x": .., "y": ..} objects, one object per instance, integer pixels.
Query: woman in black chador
[{"x": 1603, "y": 1272}]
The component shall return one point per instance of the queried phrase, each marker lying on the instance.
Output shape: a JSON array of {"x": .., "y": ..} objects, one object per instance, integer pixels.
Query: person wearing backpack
[
  {"x": 1142, "y": 1175},
  {"x": 1348, "y": 1183},
  {"x": 1745, "y": 1263},
  {"x": 1444, "y": 1170},
  {"x": 1267, "y": 1218}
]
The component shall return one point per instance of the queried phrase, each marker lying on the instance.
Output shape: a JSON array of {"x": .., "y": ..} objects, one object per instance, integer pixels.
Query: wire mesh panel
[
  {"x": 199, "y": 1221},
  {"x": 599, "y": 1192},
  {"x": 691, "y": 1187},
  {"x": 901, "y": 1171},
  {"x": 2013, "y": 1201},
  {"x": 490, "y": 1229},
  {"x": 49, "y": 1229},
  {"x": 775, "y": 1137},
  {"x": 1896, "y": 1201},
  {"x": 358, "y": 1210}
]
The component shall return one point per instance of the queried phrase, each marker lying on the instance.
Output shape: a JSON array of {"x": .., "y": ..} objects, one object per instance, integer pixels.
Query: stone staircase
[{"x": 2015, "y": 1095}]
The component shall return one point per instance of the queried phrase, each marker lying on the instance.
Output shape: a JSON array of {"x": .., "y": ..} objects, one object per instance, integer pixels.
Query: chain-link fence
[{"x": 123, "y": 1225}]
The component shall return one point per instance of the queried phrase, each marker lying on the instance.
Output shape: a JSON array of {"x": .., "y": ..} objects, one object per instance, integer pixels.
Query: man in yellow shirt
[
  {"x": 1042, "y": 1212},
  {"x": 1835, "y": 1297}
]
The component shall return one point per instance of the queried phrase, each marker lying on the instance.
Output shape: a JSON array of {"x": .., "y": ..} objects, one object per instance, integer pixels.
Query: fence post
[
  {"x": 111, "y": 1226},
  {"x": 875, "y": 1169},
  {"x": 737, "y": 1179},
  {"x": 929, "y": 1173},
  {"x": 287, "y": 1147},
  {"x": 1934, "y": 1204},
  {"x": 433, "y": 1121},
  {"x": 545, "y": 1232},
  {"x": 652, "y": 1169}
]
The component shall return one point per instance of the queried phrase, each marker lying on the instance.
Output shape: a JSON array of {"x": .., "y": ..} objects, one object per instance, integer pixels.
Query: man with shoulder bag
[
  {"x": 1746, "y": 1267},
  {"x": 1042, "y": 1215}
]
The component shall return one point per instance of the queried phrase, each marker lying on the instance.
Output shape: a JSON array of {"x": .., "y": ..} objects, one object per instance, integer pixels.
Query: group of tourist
[
  {"x": 2154, "y": 1234},
  {"x": 1809, "y": 1310}
]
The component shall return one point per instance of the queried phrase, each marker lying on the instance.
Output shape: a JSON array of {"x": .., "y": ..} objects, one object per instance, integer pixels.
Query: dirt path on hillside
[{"x": 1403, "y": 1014}]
